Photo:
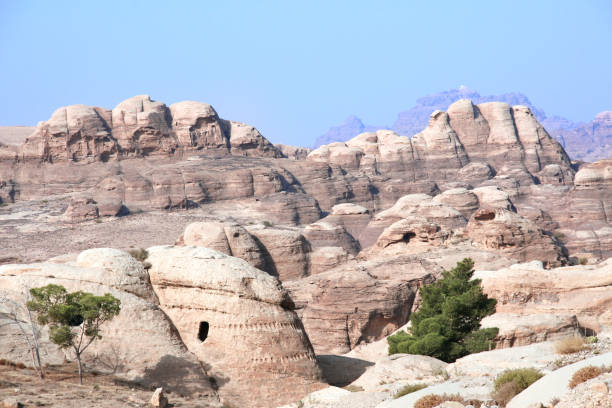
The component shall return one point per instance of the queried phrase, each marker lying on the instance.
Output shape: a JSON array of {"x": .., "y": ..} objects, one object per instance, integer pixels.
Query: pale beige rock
[
  {"x": 293, "y": 152},
  {"x": 493, "y": 197},
  {"x": 461, "y": 199},
  {"x": 230, "y": 239},
  {"x": 81, "y": 209},
  {"x": 412, "y": 369},
  {"x": 215, "y": 300},
  {"x": 348, "y": 209},
  {"x": 518, "y": 237},
  {"x": 529, "y": 289},
  {"x": 158, "y": 399},
  {"x": 359, "y": 301},
  {"x": 158, "y": 357},
  {"x": 287, "y": 251},
  {"x": 595, "y": 174},
  {"x": 412, "y": 230},
  {"x": 325, "y": 258},
  {"x": 522, "y": 329}
]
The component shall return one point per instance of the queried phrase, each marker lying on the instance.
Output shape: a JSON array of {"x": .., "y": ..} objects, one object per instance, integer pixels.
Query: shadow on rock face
[
  {"x": 182, "y": 376},
  {"x": 340, "y": 370}
]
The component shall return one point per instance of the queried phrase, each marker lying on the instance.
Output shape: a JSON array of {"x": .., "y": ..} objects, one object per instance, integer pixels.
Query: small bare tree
[{"x": 19, "y": 315}]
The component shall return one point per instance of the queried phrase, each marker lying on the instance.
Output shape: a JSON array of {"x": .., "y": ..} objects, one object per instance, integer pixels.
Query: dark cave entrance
[{"x": 203, "y": 331}]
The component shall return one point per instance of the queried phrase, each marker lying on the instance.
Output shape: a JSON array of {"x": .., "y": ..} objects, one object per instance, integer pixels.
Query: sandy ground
[
  {"x": 32, "y": 231},
  {"x": 61, "y": 388}
]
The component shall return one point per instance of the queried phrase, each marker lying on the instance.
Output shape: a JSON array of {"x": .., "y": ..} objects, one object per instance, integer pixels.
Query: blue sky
[{"x": 293, "y": 68}]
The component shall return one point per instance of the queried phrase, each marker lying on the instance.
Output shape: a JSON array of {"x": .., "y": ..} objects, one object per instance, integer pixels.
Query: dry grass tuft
[
  {"x": 408, "y": 389},
  {"x": 585, "y": 374},
  {"x": 506, "y": 392},
  {"x": 570, "y": 345},
  {"x": 432, "y": 400}
]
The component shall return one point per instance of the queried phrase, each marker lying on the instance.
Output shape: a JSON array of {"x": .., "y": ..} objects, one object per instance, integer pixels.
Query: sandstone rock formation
[
  {"x": 492, "y": 133},
  {"x": 293, "y": 152},
  {"x": 582, "y": 141},
  {"x": 530, "y": 290},
  {"x": 238, "y": 320},
  {"x": 514, "y": 235},
  {"x": 486, "y": 155},
  {"x": 155, "y": 355},
  {"x": 140, "y": 126},
  {"x": 359, "y": 301},
  {"x": 229, "y": 239}
]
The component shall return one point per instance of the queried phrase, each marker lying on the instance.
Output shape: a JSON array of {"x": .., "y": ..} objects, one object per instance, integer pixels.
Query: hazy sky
[{"x": 292, "y": 69}]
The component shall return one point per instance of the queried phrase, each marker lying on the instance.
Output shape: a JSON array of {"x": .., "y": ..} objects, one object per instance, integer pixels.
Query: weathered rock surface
[
  {"x": 360, "y": 301},
  {"x": 530, "y": 290},
  {"x": 144, "y": 156},
  {"x": 140, "y": 127},
  {"x": 555, "y": 384},
  {"x": 230, "y": 239},
  {"x": 523, "y": 329},
  {"x": 216, "y": 301},
  {"x": 406, "y": 368},
  {"x": 293, "y": 152},
  {"x": 514, "y": 235},
  {"x": 157, "y": 358}
]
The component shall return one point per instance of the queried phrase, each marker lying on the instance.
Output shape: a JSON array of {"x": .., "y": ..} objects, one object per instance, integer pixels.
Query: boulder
[
  {"x": 461, "y": 199},
  {"x": 530, "y": 290},
  {"x": 412, "y": 230},
  {"x": 359, "y": 301},
  {"x": 405, "y": 368},
  {"x": 230, "y": 239},
  {"x": 158, "y": 399},
  {"x": 518, "y": 237},
  {"x": 216, "y": 301},
  {"x": 81, "y": 209}
]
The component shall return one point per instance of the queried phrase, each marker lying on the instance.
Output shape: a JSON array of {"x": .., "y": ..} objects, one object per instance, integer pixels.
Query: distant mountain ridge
[{"x": 588, "y": 142}]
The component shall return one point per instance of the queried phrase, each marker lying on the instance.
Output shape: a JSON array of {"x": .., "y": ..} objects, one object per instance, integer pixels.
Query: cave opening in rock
[
  {"x": 408, "y": 236},
  {"x": 485, "y": 216},
  {"x": 203, "y": 331}
]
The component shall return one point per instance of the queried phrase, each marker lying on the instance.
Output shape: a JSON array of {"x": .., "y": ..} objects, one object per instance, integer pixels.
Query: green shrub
[
  {"x": 583, "y": 261},
  {"x": 139, "y": 254},
  {"x": 447, "y": 326},
  {"x": 409, "y": 389},
  {"x": 519, "y": 378}
]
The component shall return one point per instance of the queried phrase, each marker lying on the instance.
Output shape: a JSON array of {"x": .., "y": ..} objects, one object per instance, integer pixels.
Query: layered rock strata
[
  {"x": 139, "y": 126},
  {"x": 238, "y": 320}
]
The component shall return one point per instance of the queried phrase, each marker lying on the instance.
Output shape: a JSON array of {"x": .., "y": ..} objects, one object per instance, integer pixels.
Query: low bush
[
  {"x": 409, "y": 389},
  {"x": 505, "y": 393},
  {"x": 511, "y": 382},
  {"x": 139, "y": 254},
  {"x": 432, "y": 400},
  {"x": 353, "y": 388},
  {"x": 585, "y": 374},
  {"x": 570, "y": 345}
]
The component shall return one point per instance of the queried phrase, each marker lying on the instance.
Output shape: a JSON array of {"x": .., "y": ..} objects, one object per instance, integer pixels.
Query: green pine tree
[{"x": 447, "y": 325}]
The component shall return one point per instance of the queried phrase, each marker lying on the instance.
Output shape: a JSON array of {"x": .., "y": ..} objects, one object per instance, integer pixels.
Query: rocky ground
[
  {"x": 61, "y": 388},
  {"x": 273, "y": 275}
]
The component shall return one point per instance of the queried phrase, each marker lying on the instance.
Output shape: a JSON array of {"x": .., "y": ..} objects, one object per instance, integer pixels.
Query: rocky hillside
[
  {"x": 272, "y": 273},
  {"x": 587, "y": 142}
]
